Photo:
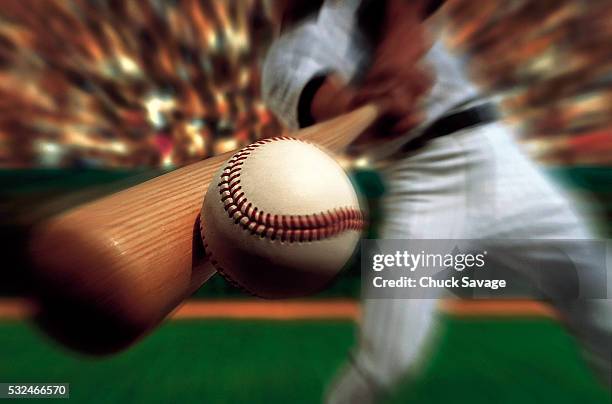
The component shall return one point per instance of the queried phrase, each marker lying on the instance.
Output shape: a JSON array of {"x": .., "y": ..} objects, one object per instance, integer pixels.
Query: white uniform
[{"x": 473, "y": 184}]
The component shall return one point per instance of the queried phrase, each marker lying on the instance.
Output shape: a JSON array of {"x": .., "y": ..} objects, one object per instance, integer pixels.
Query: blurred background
[{"x": 99, "y": 95}]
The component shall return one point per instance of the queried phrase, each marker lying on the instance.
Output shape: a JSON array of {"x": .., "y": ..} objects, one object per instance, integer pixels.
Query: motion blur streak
[
  {"x": 130, "y": 83},
  {"x": 163, "y": 83},
  {"x": 550, "y": 61}
]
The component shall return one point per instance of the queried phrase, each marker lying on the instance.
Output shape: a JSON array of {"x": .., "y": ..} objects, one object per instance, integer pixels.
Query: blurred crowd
[
  {"x": 550, "y": 62},
  {"x": 105, "y": 83},
  {"x": 161, "y": 83}
]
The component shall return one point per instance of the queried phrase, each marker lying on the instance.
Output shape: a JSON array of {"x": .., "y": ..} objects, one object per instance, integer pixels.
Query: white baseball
[{"x": 281, "y": 218}]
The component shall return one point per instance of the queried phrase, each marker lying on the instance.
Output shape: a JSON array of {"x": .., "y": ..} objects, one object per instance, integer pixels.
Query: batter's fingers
[{"x": 408, "y": 122}]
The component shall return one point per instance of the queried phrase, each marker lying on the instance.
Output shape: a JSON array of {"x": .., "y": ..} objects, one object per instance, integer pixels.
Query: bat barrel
[{"x": 99, "y": 289}]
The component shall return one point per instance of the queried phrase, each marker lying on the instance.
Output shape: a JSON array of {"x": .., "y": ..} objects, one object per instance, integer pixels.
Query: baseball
[{"x": 280, "y": 218}]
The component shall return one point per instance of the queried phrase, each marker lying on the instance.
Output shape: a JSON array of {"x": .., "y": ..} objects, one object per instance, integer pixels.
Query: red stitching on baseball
[
  {"x": 287, "y": 228},
  {"x": 219, "y": 268}
]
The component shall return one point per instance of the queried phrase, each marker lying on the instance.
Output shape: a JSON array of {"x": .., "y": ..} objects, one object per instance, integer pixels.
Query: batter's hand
[{"x": 396, "y": 80}]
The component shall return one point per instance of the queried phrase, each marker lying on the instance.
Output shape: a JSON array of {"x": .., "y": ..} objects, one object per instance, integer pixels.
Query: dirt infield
[{"x": 18, "y": 309}]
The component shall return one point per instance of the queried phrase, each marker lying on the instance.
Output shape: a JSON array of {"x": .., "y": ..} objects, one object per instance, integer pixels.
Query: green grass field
[
  {"x": 223, "y": 361},
  {"x": 514, "y": 361}
]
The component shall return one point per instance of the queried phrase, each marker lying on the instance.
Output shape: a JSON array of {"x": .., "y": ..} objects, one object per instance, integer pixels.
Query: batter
[{"x": 472, "y": 183}]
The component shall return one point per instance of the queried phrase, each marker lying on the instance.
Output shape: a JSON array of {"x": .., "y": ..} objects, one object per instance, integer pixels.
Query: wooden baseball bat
[{"x": 110, "y": 270}]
